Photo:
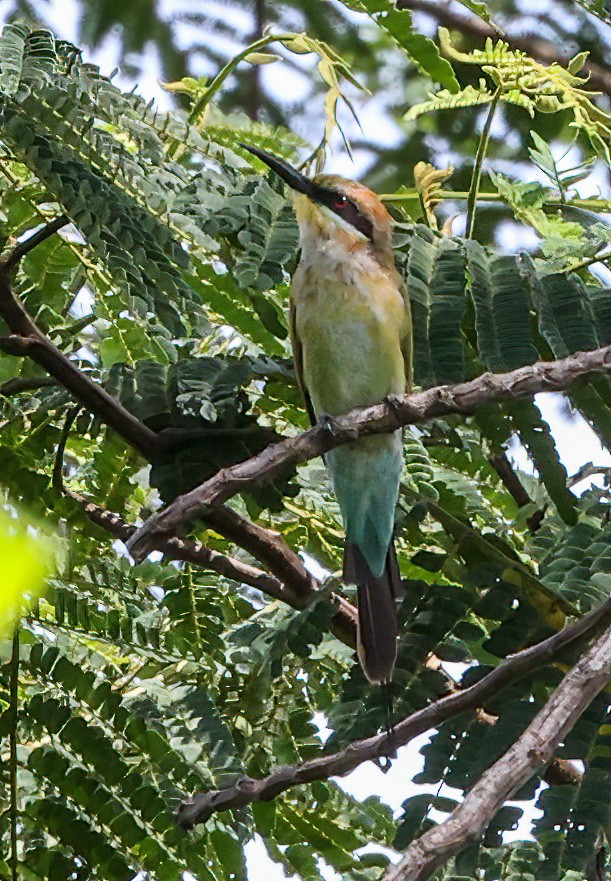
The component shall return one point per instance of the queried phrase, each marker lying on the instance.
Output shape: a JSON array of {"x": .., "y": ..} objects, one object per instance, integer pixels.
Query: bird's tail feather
[{"x": 377, "y": 629}]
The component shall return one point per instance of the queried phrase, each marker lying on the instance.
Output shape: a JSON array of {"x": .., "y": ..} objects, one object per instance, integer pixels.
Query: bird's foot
[
  {"x": 384, "y": 763},
  {"x": 393, "y": 402},
  {"x": 327, "y": 423}
]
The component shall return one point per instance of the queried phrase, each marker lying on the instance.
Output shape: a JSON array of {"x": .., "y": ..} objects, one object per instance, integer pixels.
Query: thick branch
[
  {"x": 265, "y": 545},
  {"x": 28, "y": 340},
  {"x": 531, "y": 752},
  {"x": 463, "y": 398},
  {"x": 247, "y": 790},
  {"x": 175, "y": 548},
  {"x": 540, "y": 50}
]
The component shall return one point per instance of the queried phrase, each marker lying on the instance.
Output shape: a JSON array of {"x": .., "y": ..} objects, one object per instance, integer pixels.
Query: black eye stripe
[
  {"x": 345, "y": 208},
  {"x": 351, "y": 213}
]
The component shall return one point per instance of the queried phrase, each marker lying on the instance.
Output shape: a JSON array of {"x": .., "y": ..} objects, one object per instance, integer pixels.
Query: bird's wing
[{"x": 298, "y": 359}]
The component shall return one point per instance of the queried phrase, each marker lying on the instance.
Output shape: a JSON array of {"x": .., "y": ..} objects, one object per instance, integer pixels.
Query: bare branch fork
[
  {"x": 247, "y": 789},
  {"x": 530, "y": 752},
  {"x": 463, "y": 398},
  {"x": 175, "y": 548},
  {"x": 28, "y": 340}
]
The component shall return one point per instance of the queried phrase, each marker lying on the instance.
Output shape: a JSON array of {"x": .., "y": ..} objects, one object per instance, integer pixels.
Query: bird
[{"x": 351, "y": 336}]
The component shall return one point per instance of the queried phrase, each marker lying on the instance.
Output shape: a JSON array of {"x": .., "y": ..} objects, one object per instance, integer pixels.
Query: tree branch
[
  {"x": 501, "y": 464},
  {"x": 27, "y": 340},
  {"x": 463, "y": 398},
  {"x": 247, "y": 789},
  {"x": 23, "y": 248},
  {"x": 189, "y": 552},
  {"x": 344, "y": 623},
  {"x": 24, "y": 384},
  {"x": 540, "y": 50},
  {"x": 589, "y": 470},
  {"x": 531, "y": 752}
]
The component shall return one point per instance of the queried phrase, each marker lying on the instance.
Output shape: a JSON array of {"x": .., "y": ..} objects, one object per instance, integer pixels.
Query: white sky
[{"x": 576, "y": 442}]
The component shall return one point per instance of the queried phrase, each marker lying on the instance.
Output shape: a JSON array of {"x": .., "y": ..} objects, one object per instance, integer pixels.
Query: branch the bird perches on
[{"x": 464, "y": 398}]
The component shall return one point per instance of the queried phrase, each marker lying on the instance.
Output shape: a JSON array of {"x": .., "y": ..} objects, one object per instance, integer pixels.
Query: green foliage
[
  {"x": 138, "y": 686},
  {"x": 205, "y": 402},
  {"x": 573, "y": 815},
  {"x": 526, "y": 83},
  {"x": 25, "y": 568},
  {"x": 398, "y": 23}
]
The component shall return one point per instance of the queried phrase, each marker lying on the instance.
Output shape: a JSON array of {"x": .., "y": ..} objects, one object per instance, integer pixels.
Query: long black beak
[{"x": 289, "y": 175}]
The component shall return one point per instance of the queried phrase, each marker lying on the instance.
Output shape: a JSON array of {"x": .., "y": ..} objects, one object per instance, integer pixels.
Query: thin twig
[
  {"x": 476, "y": 177},
  {"x": 463, "y": 398},
  {"x": 57, "y": 477},
  {"x": 412, "y": 195},
  {"x": 23, "y": 248},
  {"x": 24, "y": 384},
  {"x": 589, "y": 470},
  {"x": 247, "y": 789},
  {"x": 527, "y": 755}
]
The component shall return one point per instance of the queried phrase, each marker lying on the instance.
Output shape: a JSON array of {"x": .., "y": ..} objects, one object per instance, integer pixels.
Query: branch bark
[
  {"x": 188, "y": 551},
  {"x": 531, "y": 752},
  {"x": 24, "y": 384},
  {"x": 540, "y": 50},
  {"x": 501, "y": 464},
  {"x": 463, "y": 398},
  {"x": 28, "y": 340},
  {"x": 247, "y": 789},
  {"x": 343, "y": 625}
]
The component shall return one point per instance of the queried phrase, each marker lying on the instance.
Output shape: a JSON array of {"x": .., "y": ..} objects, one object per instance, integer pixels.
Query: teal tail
[
  {"x": 377, "y": 629},
  {"x": 366, "y": 477}
]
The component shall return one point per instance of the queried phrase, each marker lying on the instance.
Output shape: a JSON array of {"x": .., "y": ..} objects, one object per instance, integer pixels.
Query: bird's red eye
[{"x": 339, "y": 203}]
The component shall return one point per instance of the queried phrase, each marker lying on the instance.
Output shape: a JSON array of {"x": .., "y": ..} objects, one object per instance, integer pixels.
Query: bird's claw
[
  {"x": 327, "y": 423},
  {"x": 393, "y": 403},
  {"x": 384, "y": 763}
]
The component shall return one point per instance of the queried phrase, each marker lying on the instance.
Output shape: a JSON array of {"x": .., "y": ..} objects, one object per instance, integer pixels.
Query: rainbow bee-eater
[{"x": 351, "y": 337}]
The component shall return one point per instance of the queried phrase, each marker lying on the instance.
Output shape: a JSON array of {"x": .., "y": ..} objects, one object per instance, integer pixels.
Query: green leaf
[{"x": 421, "y": 49}]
